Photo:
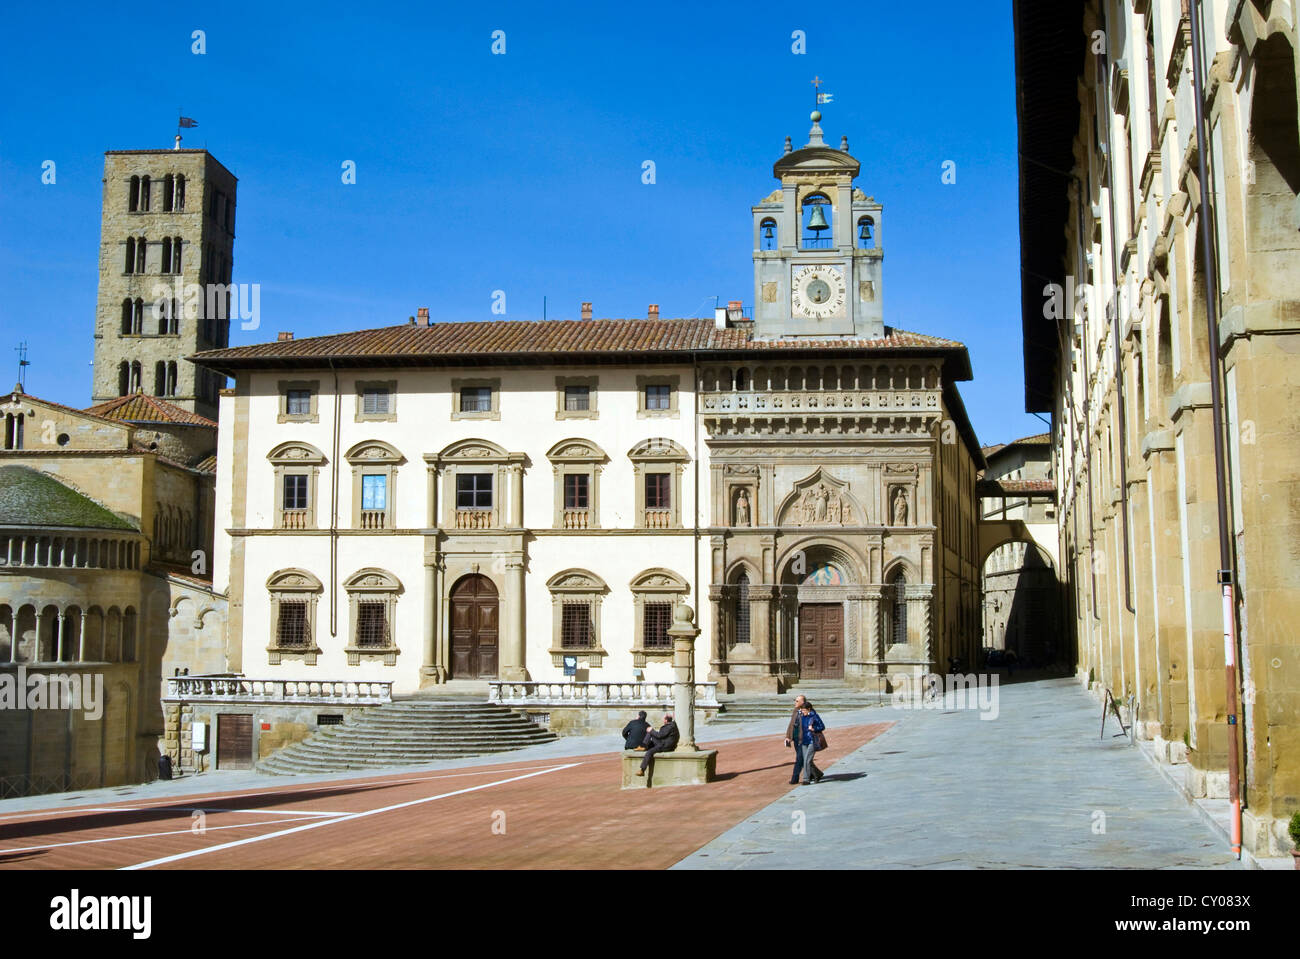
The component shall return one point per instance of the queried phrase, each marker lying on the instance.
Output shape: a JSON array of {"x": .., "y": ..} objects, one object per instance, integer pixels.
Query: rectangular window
[
  {"x": 291, "y": 627},
  {"x": 576, "y": 487},
  {"x": 374, "y": 492},
  {"x": 372, "y": 623},
  {"x": 298, "y": 403},
  {"x": 295, "y": 491},
  {"x": 374, "y": 400},
  {"x": 577, "y": 398},
  {"x": 654, "y": 632},
  {"x": 476, "y": 399},
  {"x": 575, "y": 626},
  {"x": 657, "y": 495},
  {"x": 657, "y": 397},
  {"x": 473, "y": 490}
]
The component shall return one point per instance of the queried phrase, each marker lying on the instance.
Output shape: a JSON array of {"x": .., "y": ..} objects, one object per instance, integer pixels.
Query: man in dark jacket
[
  {"x": 792, "y": 735},
  {"x": 634, "y": 732},
  {"x": 661, "y": 740}
]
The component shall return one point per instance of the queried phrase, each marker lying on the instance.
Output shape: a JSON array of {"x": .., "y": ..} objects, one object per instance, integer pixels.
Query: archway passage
[
  {"x": 821, "y": 641},
  {"x": 474, "y": 628},
  {"x": 1021, "y": 603}
]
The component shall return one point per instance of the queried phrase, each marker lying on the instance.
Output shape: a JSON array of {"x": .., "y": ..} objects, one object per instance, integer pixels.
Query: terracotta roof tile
[
  {"x": 521, "y": 338},
  {"x": 1003, "y": 487},
  {"x": 142, "y": 408}
]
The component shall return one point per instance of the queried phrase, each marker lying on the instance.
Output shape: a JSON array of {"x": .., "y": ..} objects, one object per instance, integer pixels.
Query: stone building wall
[
  {"x": 207, "y": 257},
  {"x": 1154, "y": 630}
]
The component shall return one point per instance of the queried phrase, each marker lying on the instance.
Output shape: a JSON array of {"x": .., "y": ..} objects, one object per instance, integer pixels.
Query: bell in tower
[{"x": 818, "y": 247}]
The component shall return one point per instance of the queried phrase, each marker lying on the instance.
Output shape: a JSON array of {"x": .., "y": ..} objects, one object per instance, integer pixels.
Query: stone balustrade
[
  {"x": 788, "y": 402},
  {"x": 595, "y": 694},
  {"x": 242, "y": 689}
]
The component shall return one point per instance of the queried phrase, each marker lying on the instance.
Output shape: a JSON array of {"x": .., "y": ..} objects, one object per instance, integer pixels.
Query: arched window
[
  {"x": 159, "y": 378},
  {"x": 742, "y": 608},
  {"x": 179, "y": 202},
  {"x": 817, "y": 217},
  {"x": 171, "y": 378},
  {"x": 898, "y": 617},
  {"x": 176, "y": 254},
  {"x": 137, "y": 316},
  {"x": 866, "y": 233},
  {"x": 136, "y": 377},
  {"x": 161, "y": 308},
  {"x": 767, "y": 234},
  {"x": 129, "y": 267},
  {"x": 168, "y": 186},
  {"x": 123, "y": 378},
  {"x": 166, "y": 255},
  {"x": 133, "y": 199},
  {"x": 144, "y": 194},
  {"x": 141, "y": 251},
  {"x": 127, "y": 309}
]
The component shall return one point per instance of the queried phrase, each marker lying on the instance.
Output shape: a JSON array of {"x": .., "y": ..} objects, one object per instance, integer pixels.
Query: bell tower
[{"x": 818, "y": 247}]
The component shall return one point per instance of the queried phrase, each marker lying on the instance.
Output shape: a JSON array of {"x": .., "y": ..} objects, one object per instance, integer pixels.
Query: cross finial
[
  {"x": 817, "y": 88},
  {"x": 23, "y": 363}
]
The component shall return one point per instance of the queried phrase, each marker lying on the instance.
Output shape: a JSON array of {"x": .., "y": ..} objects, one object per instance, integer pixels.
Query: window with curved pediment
[
  {"x": 297, "y": 466},
  {"x": 577, "y": 465},
  {"x": 481, "y": 486},
  {"x": 294, "y": 593},
  {"x": 654, "y": 594},
  {"x": 372, "y": 602},
  {"x": 657, "y": 467},
  {"x": 374, "y": 479},
  {"x": 576, "y": 596}
]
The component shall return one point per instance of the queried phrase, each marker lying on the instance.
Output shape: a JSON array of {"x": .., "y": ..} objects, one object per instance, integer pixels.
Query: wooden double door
[
  {"x": 821, "y": 641},
  {"x": 234, "y": 741},
  {"x": 474, "y": 628}
]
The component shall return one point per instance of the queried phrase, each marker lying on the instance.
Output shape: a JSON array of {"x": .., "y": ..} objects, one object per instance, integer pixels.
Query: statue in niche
[
  {"x": 900, "y": 508},
  {"x": 742, "y": 508}
]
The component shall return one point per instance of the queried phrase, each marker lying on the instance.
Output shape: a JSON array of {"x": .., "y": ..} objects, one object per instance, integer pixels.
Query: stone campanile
[
  {"x": 818, "y": 247},
  {"x": 166, "y": 257}
]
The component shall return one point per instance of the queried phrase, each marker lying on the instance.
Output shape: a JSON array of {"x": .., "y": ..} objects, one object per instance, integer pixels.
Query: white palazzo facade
[{"x": 442, "y": 501}]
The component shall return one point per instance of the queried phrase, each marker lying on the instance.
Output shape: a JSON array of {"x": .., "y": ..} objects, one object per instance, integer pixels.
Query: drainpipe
[
  {"x": 334, "y": 508},
  {"x": 695, "y": 471},
  {"x": 1117, "y": 332},
  {"x": 1225, "y": 577}
]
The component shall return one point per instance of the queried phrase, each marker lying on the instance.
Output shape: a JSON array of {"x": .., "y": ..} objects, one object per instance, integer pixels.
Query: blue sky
[{"x": 518, "y": 172}]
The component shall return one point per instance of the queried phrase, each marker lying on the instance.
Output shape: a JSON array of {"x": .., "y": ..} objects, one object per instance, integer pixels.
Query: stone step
[{"x": 407, "y": 734}]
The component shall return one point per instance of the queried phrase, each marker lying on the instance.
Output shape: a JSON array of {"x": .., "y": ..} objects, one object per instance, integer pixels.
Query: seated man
[
  {"x": 661, "y": 740},
  {"x": 634, "y": 732}
]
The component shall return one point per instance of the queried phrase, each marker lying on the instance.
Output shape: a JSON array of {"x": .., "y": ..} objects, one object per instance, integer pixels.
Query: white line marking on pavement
[
  {"x": 348, "y": 818},
  {"x": 152, "y": 835}
]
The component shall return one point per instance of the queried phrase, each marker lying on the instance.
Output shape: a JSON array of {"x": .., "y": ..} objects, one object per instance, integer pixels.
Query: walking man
[
  {"x": 792, "y": 736},
  {"x": 661, "y": 740}
]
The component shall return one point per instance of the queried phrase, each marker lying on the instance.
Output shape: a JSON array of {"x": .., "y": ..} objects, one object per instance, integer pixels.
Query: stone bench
[{"x": 676, "y": 768}]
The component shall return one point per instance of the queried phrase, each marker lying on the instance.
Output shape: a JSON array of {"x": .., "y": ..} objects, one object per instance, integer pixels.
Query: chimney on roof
[
  {"x": 423, "y": 313},
  {"x": 652, "y": 312},
  {"x": 283, "y": 337},
  {"x": 410, "y": 321},
  {"x": 735, "y": 311},
  {"x": 586, "y": 311},
  {"x": 719, "y": 318}
]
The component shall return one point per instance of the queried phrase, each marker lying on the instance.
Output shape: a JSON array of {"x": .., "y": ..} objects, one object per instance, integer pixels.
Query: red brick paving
[{"x": 574, "y": 817}]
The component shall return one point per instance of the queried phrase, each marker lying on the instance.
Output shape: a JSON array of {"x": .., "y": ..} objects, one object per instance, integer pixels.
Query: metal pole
[{"x": 1225, "y": 578}]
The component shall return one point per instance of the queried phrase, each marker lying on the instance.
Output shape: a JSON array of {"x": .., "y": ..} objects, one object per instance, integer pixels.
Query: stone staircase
[
  {"x": 827, "y": 696},
  {"x": 407, "y": 734}
]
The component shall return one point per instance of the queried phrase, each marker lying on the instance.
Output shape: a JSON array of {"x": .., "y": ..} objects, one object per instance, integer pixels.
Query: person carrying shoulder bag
[{"x": 811, "y": 739}]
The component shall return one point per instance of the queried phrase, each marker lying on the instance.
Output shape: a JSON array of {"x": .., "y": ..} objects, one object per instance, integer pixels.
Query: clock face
[{"x": 817, "y": 292}]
